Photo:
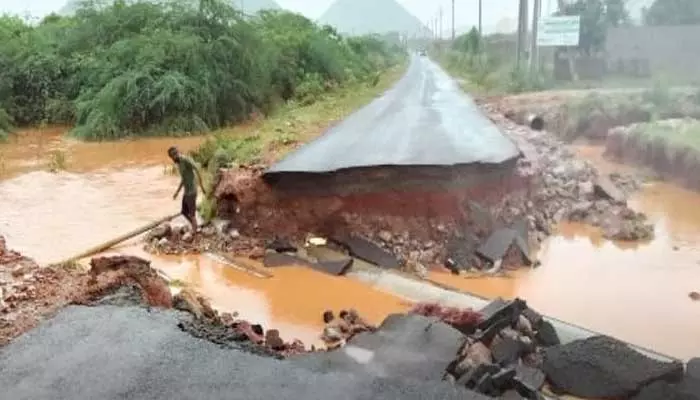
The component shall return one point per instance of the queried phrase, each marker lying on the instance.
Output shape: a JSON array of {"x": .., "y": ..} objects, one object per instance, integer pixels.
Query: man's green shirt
[{"x": 187, "y": 167}]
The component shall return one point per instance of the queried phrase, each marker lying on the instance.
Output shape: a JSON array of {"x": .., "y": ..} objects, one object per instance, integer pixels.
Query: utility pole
[
  {"x": 534, "y": 49},
  {"x": 453, "y": 20},
  {"x": 441, "y": 26},
  {"x": 481, "y": 33},
  {"x": 522, "y": 32}
]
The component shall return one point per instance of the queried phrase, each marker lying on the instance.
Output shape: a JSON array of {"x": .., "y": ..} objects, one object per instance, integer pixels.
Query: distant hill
[
  {"x": 253, "y": 6},
  {"x": 361, "y": 17},
  {"x": 248, "y": 6}
]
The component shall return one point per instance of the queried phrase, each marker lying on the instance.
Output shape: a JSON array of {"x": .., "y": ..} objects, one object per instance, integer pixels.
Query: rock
[
  {"x": 532, "y": 377},
  {"x": 385, "y": 236},
  {"x": 534, "y": 317},
  {"x": 187, "y": 236},
  {"x": 163, "y": 242},
  {"x": 524, "y": 326},
  {"x": 161, "y": 231},
  {"x": 546, "y": 335},
  {"x": 221, "y": 226},
  {"x": 427, "y": 256},
  {"x": 603, "y": 367},
  {"x": 506, "y": 351},
  {"x": 187, "y": 300},
  {"x": 273, "y": 339},
  {"x": 580, "y": 211},
  {"x": 605, "y": 189},
  {"x": 476, "y": 354},
  {"x": 628, "y": 230},
  {"x": 661, "y": 390},
  {"x": 281, "y": 246},
  {"x": 234, "y": 234},
  {"x": 586, "y": 189},
  {"x": 209, "y": 230},
  {"x": 511, "y": 395}
]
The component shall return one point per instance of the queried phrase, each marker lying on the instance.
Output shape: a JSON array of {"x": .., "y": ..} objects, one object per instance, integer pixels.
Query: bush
[
  {"x": 220, "y": 150},
  {"x": 5, "y": 124},
  {"x": 171, "y": 68}
]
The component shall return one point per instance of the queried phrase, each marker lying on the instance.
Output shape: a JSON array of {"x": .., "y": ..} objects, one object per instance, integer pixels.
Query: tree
[
  {"x": 596, "y": 17},
  {"x": 673, "y": 12}
]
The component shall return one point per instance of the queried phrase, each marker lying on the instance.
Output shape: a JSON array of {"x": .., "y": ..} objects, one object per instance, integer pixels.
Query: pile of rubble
[
  {"x": 570, "y": 189},
  {"x": 514, "y": 353},
  {"x": 509, "y": 351},
  {"x": 177, "y": 238},
  {"x": 503, "y": 353},
  {"x": 338, "y": 331},
  {"x": 228, "y": 331}
]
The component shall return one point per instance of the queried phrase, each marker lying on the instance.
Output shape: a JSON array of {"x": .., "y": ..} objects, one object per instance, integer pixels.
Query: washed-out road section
[
  {"x": 131, "y": 353},
  {"x": 424, "y": 120}
]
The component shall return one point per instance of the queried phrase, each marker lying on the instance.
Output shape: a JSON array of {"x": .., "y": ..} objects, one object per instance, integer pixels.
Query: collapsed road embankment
[{"x": 425, "y": 174}]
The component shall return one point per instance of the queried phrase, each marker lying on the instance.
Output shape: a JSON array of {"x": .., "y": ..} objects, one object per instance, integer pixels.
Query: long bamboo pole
[{"x": 109, "y": 244}]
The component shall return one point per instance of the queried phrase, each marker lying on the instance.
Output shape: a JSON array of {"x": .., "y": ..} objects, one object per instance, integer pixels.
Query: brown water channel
[{"x": 638, "y": 293}]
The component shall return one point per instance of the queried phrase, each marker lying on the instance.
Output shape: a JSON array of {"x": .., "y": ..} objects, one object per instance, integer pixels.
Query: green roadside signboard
[{"x": 559, "y": 31}]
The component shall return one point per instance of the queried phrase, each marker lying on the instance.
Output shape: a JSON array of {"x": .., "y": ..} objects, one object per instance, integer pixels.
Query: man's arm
[{"x": 178, "y": 190}]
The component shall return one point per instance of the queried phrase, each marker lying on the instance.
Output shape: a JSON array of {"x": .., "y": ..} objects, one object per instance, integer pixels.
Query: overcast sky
[{"x": 494, "y": 11}]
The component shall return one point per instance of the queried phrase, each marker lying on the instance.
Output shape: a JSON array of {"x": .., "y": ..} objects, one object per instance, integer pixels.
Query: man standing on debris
[{"x": 188, "y": 170}]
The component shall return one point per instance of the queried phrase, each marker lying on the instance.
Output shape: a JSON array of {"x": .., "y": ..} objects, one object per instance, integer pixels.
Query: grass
[
  {"x": 675, "y": 133},
  {"x": 57, "y": 161}
]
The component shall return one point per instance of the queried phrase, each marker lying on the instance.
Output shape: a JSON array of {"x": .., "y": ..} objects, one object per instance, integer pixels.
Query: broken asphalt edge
[{"x": 415, "y": 290}]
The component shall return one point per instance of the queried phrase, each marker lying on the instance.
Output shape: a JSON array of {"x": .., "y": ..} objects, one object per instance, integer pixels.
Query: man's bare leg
[{"x": 193, "y": 221}]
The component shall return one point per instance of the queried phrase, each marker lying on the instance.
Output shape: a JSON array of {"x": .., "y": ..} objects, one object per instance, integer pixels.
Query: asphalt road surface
[
  {"x": 424, "y": 120},
  {"x": 111, "y": 352}
]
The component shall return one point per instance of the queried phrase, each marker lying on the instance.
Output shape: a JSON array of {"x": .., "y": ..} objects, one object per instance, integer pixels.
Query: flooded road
[
  {"x": 293, "y": 300},
  {"x": 634, "y": 291},
  {"x": 112, "y": 188},
  {"x": 638, "y": 293}
]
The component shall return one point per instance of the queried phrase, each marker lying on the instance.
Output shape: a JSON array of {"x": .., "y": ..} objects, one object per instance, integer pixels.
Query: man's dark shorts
[{"x": 189, "y": 205}]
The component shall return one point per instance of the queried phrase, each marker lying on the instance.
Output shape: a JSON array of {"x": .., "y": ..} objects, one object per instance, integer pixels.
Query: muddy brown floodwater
[{"x": 638, "y": 293}]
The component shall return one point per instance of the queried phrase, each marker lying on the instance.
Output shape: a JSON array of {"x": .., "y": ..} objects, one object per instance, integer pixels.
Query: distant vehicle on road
[{"x": 422, "y": 52}]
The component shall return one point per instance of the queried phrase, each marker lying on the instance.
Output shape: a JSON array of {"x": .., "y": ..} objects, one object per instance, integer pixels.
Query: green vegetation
[
  {"x": 57, "y": 161},
  {"x": 677, "y": 133},
  {"x": 296, "y": 123},
  {"x": 172, "y": 68},
  {"x": 487, "y": 65},
  {"x": 672, "y": 12},
  {"x": 593, "y": 114}
]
